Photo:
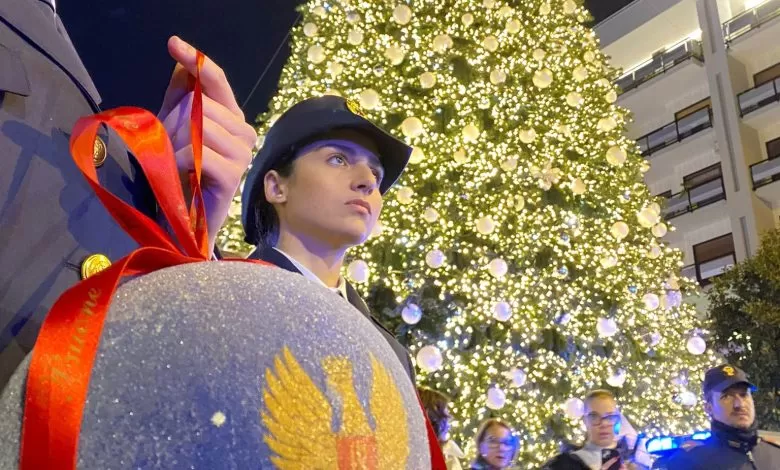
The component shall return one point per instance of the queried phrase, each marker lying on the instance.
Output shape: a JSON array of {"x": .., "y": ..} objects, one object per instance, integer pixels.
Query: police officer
[
  {"x": 315, "y": 189},
  {"x": 734, "y": 444},
  {"x": 53, "y": 229}
]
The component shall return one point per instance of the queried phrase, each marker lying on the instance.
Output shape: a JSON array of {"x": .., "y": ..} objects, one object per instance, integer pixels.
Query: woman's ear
[{"x": 275, "y": 187}]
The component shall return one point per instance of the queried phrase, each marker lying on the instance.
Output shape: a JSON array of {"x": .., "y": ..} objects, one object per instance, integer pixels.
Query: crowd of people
[{"x": 314, "y": 190}]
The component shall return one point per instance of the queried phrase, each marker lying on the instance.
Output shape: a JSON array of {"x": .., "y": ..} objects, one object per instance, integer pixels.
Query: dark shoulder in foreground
[
  {"x": 564, "y": 461},
  {"x": 685, "y": 458}
]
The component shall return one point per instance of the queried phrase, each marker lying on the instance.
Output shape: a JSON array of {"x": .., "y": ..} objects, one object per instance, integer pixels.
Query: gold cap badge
[{"x": 355, "y": 108}]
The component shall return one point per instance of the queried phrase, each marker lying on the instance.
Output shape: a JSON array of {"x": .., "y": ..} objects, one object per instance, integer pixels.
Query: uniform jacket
[
  {"x": 272, "y": 256},
  {"x": 50, "y": 219}
]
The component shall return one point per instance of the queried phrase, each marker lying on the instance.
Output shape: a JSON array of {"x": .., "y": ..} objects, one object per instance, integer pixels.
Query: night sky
[{"x": 122, "y": 43}]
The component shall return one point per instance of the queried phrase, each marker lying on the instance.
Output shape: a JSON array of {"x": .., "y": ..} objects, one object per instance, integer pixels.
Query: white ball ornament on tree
[
  {"x": 589, "y": 56},
  {"x": 316, "y": 54},
  {"x": 358, "y": 271},
  {"x": 335, "y": 69},
  {"x": 517, "y": 376},
  {"x": 502, "y": 311},
  {"x": 470, "y": 133},
  {"x": 402, "y": 15},
  {"x": 496, "y": 398},
  {"x": 617, "y": 379},
  {"x": 488, "y": 3},
  {"x": 654, "y": 251},
  {"x": 651, "y": 301},
  {"x": 574, "y": 408},
  {"x": 369, "y": 99},
  {"x": 411, "y": 314},
  {"x": 430, "y": 215},
  {"x": 578, "y": 187},
  {"x": 497, "y": 77},
  {"x": 427, "y": 80},
  {"x": 659, "y": 230},
  {"x": 512, "y": 26},
  {"x": 647, "y": 218},
  {"x": 485, "y": 225},
  {"x": 353, "y": 17},
  {"x": 527, "y": 135},
  {"x": 355, "y": 37},
  {"x": 543, "y": 78},
  {"x": 688, "y": 399},
  {"x": 429, "y": 358},
  {"x": 405, "y": 195},
  {"x": 616, "y": 156},
  {"x": 510, "y": 164},
  {"x": 606, "y": 327},
  {"x": 395, "y": 55},
  {"x": 490, "y": 43},
  {"x": 609, "y": 261},
  {"x": 619, "y": 230},
  {"x": 569, "y": 7},
  {"x": 412, "y": 127},
  {"x": 545, "y": 9},
  {"x": 434, "y": 259},
  {"x": 417, "y": 156},
  {"x": 498, "y": 268},
  {"x": 611, "y": 96},
  {"x": 580, "y": 73},
  {"x": 606, "y": 124},
  {"x": 539, "y": 54},
  {"x": 310, "y": 30},
  {"x": 442, "y": 43},
  {"x": 467, "y": 19},
  {"x": 460, "y": 156},
  {"x": 696, "y": 345},
  {"x": 574, "y": 99}
]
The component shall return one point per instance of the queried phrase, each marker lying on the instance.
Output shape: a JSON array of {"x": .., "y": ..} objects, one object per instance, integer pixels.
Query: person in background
[
  {"x": 436, "y": 406},
  {"x": 496, "y": 446},
  {"x": 608, "y": 439},
  {"x": 734, "y": 443},
  {"x": 54, "y": 231}
]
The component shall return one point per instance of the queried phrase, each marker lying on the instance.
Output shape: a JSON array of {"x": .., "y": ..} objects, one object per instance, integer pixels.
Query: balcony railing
[
  {"x": 675, "y": 131},
  {"x": 675, "y": 55},
  {"x": 694, "y": 198},
  {"x": 750, "y": 19},
  {"x": 689, "y": 272},
  {"x": 758, "y": 97},
  {"x": 706, "y": 272},
  {"x": 765, "y": 172}
]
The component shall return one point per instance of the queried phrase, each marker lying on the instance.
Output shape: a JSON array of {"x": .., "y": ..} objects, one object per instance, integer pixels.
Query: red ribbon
[{"x": 61, "y": 363}]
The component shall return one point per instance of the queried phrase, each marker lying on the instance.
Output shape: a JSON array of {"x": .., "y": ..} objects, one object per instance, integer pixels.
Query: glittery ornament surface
[{"x": 231, "y": 365}]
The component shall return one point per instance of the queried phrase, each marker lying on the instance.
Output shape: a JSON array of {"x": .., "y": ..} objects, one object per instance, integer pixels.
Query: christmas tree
[{"x": 521, "y": 256}]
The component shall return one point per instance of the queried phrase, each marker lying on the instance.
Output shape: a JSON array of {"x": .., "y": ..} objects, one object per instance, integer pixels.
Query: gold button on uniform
[
  {"x": 99, "y": 152},
  {"x": 93, "y": 265}
]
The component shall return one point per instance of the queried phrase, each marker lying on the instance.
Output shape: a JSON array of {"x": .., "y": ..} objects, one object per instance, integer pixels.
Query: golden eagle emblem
[{"x": 299, "y": 418}]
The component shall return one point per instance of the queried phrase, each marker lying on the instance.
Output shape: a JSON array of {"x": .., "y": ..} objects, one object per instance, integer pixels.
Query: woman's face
[
  {"x": 498, "y": 446},
  {"x": 332, "y": 195}
]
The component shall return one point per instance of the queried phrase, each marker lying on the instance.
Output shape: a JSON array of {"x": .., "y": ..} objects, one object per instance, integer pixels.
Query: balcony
[
  {"x": 675, "y": 131},
  {"x": 750, "y": 19},
  {"x": 661, "y": 63},
  {"x": 694, "y": 198},
  {"x": 758, "y": 97},
  {"x": 707, "y": 272},
  {"x": 764, "y": 174}
]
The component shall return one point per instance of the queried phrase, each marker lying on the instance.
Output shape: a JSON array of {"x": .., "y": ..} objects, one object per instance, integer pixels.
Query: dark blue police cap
[
  {"x": 302, "y": 123},
  {"x": 724, "y": 376}
]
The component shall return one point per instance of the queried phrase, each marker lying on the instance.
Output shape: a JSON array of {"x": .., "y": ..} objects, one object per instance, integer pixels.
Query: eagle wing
[
  {"x": 387, "y": 407},
  {"x": 297, "y": 416}
]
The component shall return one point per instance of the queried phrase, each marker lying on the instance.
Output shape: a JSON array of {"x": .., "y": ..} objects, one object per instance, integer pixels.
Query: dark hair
[
  {"x": 435, "y": 403},
  {"x": 266, "y": 220},
  {"x": 480, "y": 461}
]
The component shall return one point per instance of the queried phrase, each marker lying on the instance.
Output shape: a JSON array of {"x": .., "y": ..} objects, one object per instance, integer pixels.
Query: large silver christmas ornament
[{"x": 233, "y": 365}]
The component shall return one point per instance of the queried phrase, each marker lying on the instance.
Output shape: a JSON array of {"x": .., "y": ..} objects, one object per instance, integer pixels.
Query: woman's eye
[{"x": 338, "y": 159}]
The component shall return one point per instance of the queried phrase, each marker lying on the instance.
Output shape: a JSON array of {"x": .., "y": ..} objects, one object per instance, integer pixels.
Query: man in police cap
[
  {"x": 734, "y": 444},
  {"x": 315, "y": 189}
]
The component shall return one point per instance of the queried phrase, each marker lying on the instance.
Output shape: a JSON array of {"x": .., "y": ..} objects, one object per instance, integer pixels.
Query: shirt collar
[{"x": 341, "y": 287}]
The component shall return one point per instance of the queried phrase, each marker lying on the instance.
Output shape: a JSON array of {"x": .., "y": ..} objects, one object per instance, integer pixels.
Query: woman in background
[{"x": 496, "y": 446}]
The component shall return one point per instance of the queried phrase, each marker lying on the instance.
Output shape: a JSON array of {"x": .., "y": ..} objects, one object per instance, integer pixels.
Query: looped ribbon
[{"x": 61, "y": 363}]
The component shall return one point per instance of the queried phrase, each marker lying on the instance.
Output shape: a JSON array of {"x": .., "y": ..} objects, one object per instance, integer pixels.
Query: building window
[
  {"x": 773, "y": 149},
  {"x": 701, "y": 177},
  {"x": 665, "y": 194},
  {"x": 705, "y": 103},
  {"x": 713, "y": 257},
  {"x": 766, "y": 75}
]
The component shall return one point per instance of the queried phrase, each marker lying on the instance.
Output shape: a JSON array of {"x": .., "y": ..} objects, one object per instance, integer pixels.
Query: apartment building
[{"x": 702, "y": 79}]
